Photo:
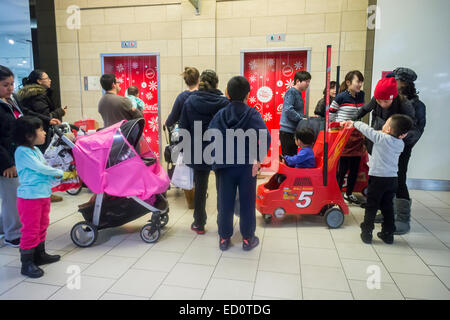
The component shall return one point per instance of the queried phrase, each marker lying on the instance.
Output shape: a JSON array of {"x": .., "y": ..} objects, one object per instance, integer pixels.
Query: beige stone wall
[{"x": 214, "y": 39}]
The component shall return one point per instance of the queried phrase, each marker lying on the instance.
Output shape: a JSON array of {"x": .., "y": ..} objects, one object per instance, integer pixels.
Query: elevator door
[
  {"x": 270, "y": 75},
  {"x": 142, "y": 72}
]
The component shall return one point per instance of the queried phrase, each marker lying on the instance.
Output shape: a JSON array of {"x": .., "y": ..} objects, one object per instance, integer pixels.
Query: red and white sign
[{"x": 140, "y": 71}]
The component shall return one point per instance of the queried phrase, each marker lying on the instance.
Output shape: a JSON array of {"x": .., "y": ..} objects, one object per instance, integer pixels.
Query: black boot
[
  {"x": 28, "y": 267},
  {"x": 387, "y": 237},
  {"x": 41, "y": 257}
]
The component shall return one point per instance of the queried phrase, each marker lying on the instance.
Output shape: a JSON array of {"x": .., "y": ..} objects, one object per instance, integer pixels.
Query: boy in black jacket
[{"x": 238, "y": 171}]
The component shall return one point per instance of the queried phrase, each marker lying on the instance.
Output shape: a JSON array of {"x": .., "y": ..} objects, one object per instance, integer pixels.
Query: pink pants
[{"x": 34, "y": 215}]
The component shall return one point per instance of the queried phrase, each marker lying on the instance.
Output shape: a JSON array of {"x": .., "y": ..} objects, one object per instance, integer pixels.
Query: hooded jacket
[
  {"x": 238, "y": 115},
  {"x": 200, "y": 106},
  {"x": 38, "y": 100},
  {"x": 7, "y": 146}
]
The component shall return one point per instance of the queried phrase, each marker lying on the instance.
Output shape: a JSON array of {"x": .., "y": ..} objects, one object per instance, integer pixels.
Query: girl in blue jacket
[{"x": 33, "y": 195}]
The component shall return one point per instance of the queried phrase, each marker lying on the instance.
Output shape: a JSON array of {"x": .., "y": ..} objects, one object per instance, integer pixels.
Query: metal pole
[{"x": 325, "y": 138}]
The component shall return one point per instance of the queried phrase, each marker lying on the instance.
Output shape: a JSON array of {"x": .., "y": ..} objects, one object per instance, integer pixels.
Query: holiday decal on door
[
  {"x": 270, "y": 75},
  {"x": 139, "y": 71}
]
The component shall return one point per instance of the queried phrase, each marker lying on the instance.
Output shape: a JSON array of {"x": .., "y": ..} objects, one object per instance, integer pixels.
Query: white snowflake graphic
[
  {"x": 120, "y": 67},
  {"x": 135, "y": 65},
  {"x": 289, "y": 84},
  {"x": 252, "y": 99},
  {"x": 144, "y": 85},
  {"x": 252, "y": 78},
  {"x": 157, "y": 154},
  {"x": 149, "y": 96},
  {"x": 298, "y": 65},
  {"x": 252, "y": 65},
  {"x": 148, "y": 139},
  {"x": 282, "y": 95},
  {"x": 153, "y": 123},
  {"x": 271, "y": 62},
  {"x": 267, "y": 117},
  {"x": 153, "y": 85},
  {"x": 119, "y": 80}
]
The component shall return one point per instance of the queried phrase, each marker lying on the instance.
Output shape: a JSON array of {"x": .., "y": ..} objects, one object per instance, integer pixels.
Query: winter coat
[
  {"x": 238, "y": 115},
  {"x": 7, "y": 145},
  {"x": 175, "y": 114},
  {"x": 38, "y": 100},
  {"x": 380, "y": 115},
  {"x": 200, "y": 106}
]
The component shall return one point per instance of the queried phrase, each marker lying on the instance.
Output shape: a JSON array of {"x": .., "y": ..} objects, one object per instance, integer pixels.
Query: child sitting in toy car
[{"x": 304, "y": 138}]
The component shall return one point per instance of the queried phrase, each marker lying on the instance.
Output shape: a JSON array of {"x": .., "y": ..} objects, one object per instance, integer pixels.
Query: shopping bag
[{"x": 183, "y": 176}]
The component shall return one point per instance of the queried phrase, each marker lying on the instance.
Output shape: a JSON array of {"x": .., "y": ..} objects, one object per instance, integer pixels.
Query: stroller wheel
[
  {"x": 334, "y": 218},
  {"x": 84, "y": 234},
  {"x": 164, "y": 219},
  {"x": 75, "y": 191},
  {"x": 150, "y": 234}
]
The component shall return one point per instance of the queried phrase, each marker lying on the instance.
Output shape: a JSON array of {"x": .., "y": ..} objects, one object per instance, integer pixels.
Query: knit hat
[
  {"x": 386, "y": 89},
  {"x": 405, "y": 74}
]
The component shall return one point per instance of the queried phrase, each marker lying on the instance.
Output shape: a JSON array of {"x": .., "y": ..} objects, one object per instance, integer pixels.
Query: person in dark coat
[
  {"x": 191, "y": 77},
  {"x": 402, "y": 203},
  {"x": 198, "y": 110},
  {"x": 382, "y": 108},
  {"x": 321, "y": 104},
  {"x": 10, "y": 111},
  {"x": 36, "y": 97}
]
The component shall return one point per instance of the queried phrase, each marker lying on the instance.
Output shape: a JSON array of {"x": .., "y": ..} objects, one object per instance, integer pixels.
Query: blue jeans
[{"x": 228, "y": 181}]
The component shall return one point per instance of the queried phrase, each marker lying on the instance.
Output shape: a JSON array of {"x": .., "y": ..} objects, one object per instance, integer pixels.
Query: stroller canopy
[{"x": 110, "y": 161}]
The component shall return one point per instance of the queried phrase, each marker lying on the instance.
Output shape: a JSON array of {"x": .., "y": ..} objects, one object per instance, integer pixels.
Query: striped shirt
[{"x": 345, "y": 107}]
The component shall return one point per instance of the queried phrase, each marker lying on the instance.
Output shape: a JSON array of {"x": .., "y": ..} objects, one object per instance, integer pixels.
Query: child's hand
[
  {"x": 55, "y": 121},
  {"x": 403, "y": 136},
  {"x": 347, "y": 124},
  {"x": 133, "y": 109}
]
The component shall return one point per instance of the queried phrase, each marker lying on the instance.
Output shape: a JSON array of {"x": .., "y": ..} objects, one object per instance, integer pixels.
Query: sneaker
[
  {"x": 366, "y": 237},
  {"x": 12, "y": 243},
  {"x": 198, "y": 229},
  {"x": 224, "y": 244},
  {"x": 386, "y": 237},
  {"x": 249, "y": 244},
  {"x": 351, "y": 198}
]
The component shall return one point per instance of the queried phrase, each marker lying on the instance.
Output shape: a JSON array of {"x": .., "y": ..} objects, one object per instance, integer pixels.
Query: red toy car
[{"x": 308, "y": 191}]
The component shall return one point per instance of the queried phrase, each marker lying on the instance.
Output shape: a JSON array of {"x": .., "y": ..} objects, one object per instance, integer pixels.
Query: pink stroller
[{"x": 118, "y": 165}]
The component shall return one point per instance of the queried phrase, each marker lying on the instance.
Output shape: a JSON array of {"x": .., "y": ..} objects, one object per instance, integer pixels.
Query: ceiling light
[{"x": 11, "y": 41}]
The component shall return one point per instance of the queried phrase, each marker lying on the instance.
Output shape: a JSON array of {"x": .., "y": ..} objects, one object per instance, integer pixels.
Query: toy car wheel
[
  {"x": 334, "y": 218},
  {"x": 267, "y": 218},
  {"x": 364, "y": 192},
  {"x": 84, "y": 234},
  {"x": 150, "y": 234},
  {"x": 164, "y": 219}
]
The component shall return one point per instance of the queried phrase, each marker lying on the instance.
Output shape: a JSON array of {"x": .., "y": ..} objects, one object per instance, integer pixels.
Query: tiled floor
[{"x": 298, "y": 258}]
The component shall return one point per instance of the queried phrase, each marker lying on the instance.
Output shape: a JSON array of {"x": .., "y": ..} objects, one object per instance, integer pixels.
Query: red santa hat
[{"x": 386, "y": 89}]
